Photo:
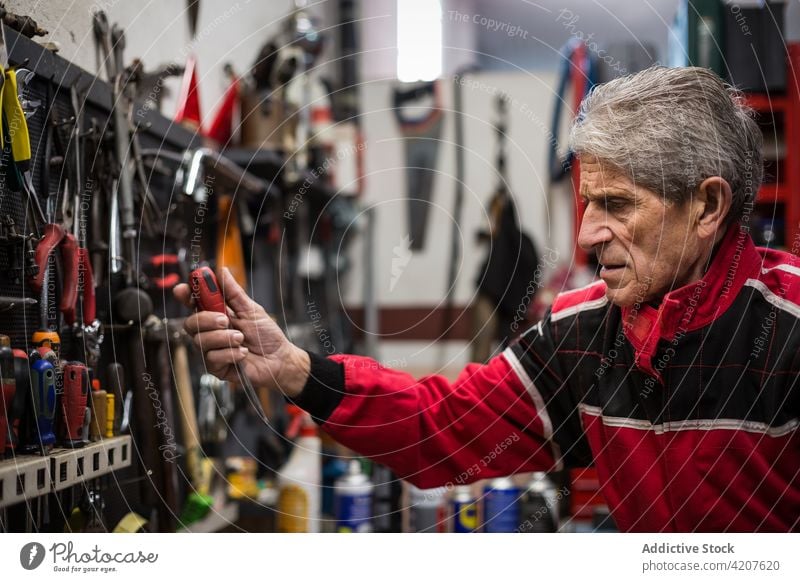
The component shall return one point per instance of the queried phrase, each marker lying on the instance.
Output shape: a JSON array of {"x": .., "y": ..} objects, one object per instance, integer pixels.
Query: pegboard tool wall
[
  {"x": 54, "y": 77},
  {"x": 20, "y": 322}
]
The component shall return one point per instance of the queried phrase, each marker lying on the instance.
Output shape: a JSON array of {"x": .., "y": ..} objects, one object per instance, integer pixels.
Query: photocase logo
[
  {"x": 31, "y": 555},
  {"x": 400, "y": 260}
]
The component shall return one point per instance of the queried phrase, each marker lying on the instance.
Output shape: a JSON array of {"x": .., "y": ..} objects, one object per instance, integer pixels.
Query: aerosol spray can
[
  {"x": 539, "y": 506},
  {"x": 463, "y": 510},
  {"x": 501, "y": 506},
  {"x": 427, "y": 510},
  {"x": 352, "y": 501}
]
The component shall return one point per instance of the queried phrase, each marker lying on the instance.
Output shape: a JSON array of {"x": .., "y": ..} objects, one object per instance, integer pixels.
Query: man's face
[{"x": 646, "y": 246}]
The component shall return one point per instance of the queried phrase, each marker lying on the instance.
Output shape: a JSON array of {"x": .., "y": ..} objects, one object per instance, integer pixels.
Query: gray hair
[{"x": 669, "y": 129}]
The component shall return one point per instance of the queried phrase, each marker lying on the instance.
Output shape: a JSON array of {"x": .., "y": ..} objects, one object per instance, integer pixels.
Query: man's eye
[{"x": 614, "y": 204}]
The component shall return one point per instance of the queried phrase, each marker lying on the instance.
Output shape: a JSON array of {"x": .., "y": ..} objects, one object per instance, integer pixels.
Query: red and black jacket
[{"x": 689, "y": 411}]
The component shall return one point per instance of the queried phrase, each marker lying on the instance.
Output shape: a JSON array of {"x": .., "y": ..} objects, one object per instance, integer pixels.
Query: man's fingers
[
  {"x": 205, "y": 321},
  {"x": 183, "y": 293},
  {"x": 219, "y": 359},
  {"x": 235, "y": 296},
  {"x": 218, "y": 339}
]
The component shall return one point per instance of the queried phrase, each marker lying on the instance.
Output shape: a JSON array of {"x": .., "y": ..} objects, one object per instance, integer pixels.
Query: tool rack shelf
[{"x": 29, "y": 476}]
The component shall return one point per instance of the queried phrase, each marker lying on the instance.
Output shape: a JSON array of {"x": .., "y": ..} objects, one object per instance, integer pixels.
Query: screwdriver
[
  {"x": 8, "y": 385},
  {"x": 208, "y": 295},
  {"x": 43, "y": 376},
  {"x": 73, "y": 403},
  {"x": 47, "y": 346},
  {"x": 99, "y": 420},
  {"x": 45, "y": 340},
  {"x": 22, "y": 402},
  {"x": 116, "y": 375},
  {"x": 110, "y": 410}
]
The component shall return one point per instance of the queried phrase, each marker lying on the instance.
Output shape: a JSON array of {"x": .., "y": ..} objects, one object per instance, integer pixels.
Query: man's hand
[{"x": 247, "y": 335}]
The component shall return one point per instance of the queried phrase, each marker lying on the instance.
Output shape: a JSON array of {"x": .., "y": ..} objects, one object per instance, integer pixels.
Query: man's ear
[{"x": 713, "y": 202}]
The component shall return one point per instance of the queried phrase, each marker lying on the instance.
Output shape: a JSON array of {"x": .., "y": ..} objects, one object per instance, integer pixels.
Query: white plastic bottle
[{"x": 300, "y": 479}]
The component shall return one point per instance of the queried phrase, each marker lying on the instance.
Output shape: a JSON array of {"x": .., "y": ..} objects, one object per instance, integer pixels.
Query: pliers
[
  {"x": 15, "y": 129},
  {"x": 77, "y": 269}
]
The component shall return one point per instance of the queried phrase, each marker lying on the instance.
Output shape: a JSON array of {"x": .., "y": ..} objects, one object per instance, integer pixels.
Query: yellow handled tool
[{"x": 15, "y": 120}]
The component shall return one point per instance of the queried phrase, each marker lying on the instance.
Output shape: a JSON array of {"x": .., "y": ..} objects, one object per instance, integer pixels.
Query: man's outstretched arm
[
  {"x": 429, "y": 430},
  {"x": 491, "y": 421}
]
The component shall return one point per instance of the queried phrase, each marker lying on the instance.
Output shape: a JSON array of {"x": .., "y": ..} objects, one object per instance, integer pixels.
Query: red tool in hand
[
  {"x": 206, "y": 291},
  {"x": 208, "y": 296}
]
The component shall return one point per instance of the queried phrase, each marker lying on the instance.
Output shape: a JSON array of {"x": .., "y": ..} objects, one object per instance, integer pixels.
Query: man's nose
[{"x": 594, "y": 228}]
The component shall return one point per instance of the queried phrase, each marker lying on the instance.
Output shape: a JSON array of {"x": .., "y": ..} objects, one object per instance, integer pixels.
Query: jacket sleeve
[{"x": 492, "y": 421}]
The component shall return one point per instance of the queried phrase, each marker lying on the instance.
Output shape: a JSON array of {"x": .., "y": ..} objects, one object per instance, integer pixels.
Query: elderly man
[{"x": 675, "y": 374}]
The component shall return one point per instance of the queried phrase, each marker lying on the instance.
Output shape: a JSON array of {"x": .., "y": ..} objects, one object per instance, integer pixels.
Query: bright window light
[{"x": 419, "y": 40}]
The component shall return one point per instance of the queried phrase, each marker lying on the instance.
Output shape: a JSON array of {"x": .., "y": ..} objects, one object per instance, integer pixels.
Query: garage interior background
[{"x": 488, "y": 48}]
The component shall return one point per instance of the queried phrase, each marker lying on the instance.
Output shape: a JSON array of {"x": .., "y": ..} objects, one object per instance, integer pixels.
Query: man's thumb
[{"x": 236, "y": 297}]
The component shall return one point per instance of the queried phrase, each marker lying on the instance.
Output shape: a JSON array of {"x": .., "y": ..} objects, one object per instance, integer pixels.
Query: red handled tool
[
  {"x": 8, "y": 385},
  {"x": 77, "y": 269},
  {"x": 206, "y": 291},
  {"x": 65, "y": 233},
  {"x": 164, "y": 270},
  {"x": 56, "y": 237},
  {"x": 208, "y": 295},
  {"x": 22, "y": 405},
  {"x": 84, "y": 292},
  {"x": 73, "y": 403}
]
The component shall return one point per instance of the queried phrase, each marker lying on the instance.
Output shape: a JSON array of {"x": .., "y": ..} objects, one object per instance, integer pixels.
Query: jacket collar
[{"x": 694, "y": 305}]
